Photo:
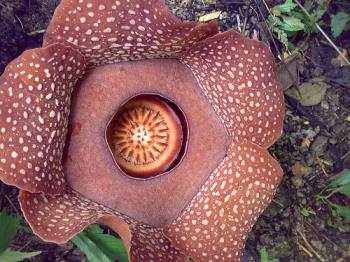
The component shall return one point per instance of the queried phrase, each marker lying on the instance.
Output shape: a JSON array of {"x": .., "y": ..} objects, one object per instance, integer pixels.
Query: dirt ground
[{"x": 315, "y": 145}]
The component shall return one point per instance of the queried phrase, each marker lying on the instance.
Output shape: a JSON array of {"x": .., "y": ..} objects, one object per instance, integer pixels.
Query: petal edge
[
  {"x": 111, "y": 31},
  {"x": 238, "y": 76},
  {"x": 35, "y": 92},
  {"x": 215, "y": 224}
]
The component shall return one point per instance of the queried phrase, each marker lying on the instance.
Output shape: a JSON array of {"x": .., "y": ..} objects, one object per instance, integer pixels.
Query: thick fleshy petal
[
  {"x": 114, "y": 31},
  {"x": 59, "y": 218},
  {"x": 215, "y": 224},
  {"x": 146, "y": 243},
  {"x": 238, "y": 76},
  {"x": 150, "y": 244},
  {"x": 35, "y": 92}
]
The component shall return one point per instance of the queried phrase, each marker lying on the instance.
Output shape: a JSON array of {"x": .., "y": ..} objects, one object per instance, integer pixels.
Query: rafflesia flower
[{"x": 171, "y": 153}]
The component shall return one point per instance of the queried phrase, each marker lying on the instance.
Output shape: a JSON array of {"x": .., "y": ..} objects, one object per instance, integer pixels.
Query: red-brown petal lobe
[
  {"x": 58, "y": 218},
  {"x": 215, "y": 224},
  {"x": 114, "y": 31},
  {"x": 238, "y": 76},
  {"x": 35, "y": 92},
  {"x": 149, "y": 244}
]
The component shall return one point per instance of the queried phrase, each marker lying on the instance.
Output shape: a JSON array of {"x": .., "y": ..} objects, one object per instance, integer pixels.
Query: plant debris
[{"x": 309, "y": 93}]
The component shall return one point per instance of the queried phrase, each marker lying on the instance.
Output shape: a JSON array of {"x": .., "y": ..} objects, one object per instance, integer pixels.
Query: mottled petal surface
[
  {"x": 215, "y": 224},
  {"x": 238, "y": 76},
  {"x": 35, "y": 92},
  {"x": 113, "y": 31},
  {"x": 150, "y": 244},
  {"x": 59, "y": 218}
]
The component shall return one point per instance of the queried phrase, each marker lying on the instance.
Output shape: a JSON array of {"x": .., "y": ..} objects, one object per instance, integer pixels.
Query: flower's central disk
[
  {"x": 147, "y": 136},
  {"x": 142, "y": 134}
]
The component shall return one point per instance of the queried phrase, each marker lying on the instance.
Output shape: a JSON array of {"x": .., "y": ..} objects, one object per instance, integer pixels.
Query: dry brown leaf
[
  {"x": 299, "y": 169},
  {"x": 288, "y": 71},
  {"x": 305, "y": 143},
  {"x": 210, "y": 16},
  {"x": 339, "y": 60},
  {"x": 309, "y": 93}
]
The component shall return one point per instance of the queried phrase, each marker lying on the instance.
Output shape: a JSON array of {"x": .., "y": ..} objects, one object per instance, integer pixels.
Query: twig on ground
[
  {"x": 36, "y": 32},
  {"x": 11, "y": 203},
  {"x": 277, "y": 202},
  {"x": 20, "y": 22},
  {"x": 305, "y": 250},
  {"x": 26, "y": 244},
  {"x": 324, "y": 34},
  {"x": 245, "y": 22},
  {"x": 239, "y": 23},
  {"x": 310, "y": 246},
  {"x": 279, "y": 55},
  {"x": 345, "y": 155},
  {"x": 322, "y": 163},
  {"x": 324, "y": 236}
]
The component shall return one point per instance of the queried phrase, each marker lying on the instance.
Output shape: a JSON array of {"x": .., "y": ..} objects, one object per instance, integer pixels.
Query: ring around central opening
[{"x": 148, "y": 136}]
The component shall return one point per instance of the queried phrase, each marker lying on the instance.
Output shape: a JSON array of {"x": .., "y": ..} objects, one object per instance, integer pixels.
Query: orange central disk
[{"x": 147, "y": 136}]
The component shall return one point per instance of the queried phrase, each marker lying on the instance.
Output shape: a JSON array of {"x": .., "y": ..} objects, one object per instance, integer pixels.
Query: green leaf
[
  {"x": 342, "y": 211},
  {"x": 275, "y": 24},
  {"x": 25, "y": 229},
  {"x": 343, "y": 178},
  {"x": 310, "y": 25},
  {"x": 98, "y": 246},
  {"x": 316, "y": 8},
  {"x": 109, "y": 244},
  {"x": 344, "y": 190},
  {"x": 331, "y": 224},
  {"x": 319, "y": 13},
  {"x": 341, "y": 183},
  {"x": 305, "y": 212},
  {"x": 339, "y": 22},
  {"x": 282, "y": 36},
  {"x": 264, "y": 256},
  {"x": 13, "y": 256},
  {"x": 286, "y": 7},
  {"x": 308, "y": 5},
  {"x": 292, "y": 24},
  {"x": 334, "y": 213},
  {"x": 89, "y": 248},
  {"x": 8, "y": 229}
]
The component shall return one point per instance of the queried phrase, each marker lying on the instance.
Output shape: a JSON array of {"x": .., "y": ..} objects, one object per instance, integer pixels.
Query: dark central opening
[{"x": 148, "y": 136}]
